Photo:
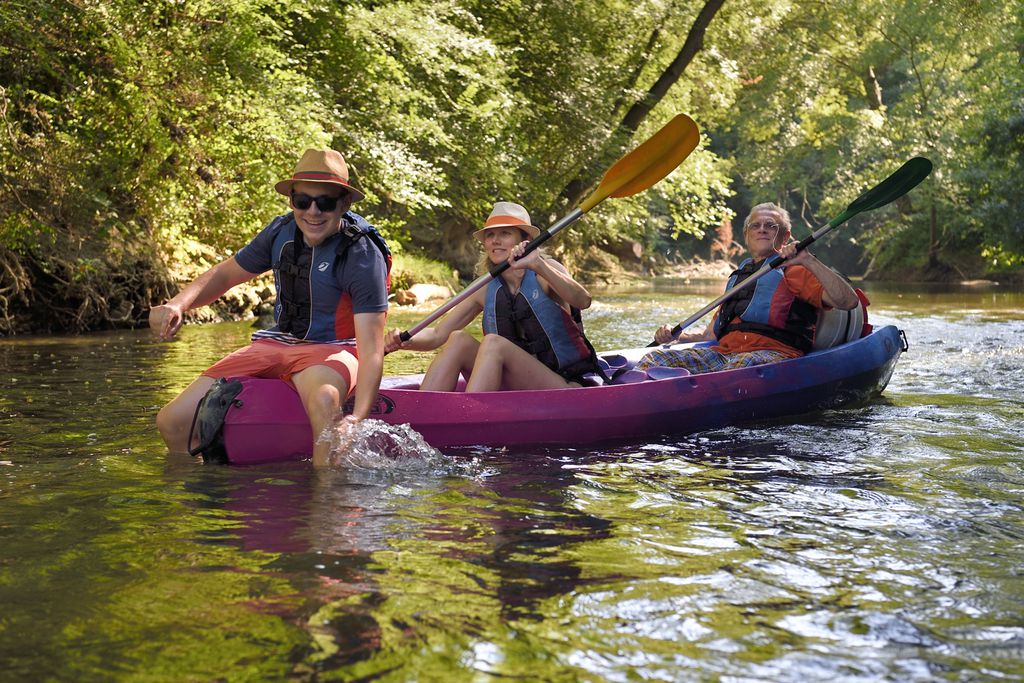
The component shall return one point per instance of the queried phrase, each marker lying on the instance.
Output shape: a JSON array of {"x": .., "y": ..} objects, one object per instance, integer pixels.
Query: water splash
[{"x": 388, "y": 449}]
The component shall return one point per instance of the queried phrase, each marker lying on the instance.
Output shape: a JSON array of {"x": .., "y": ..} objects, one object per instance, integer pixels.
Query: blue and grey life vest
[
  {"x": 536, "y": 323},
  {"x": 767, "y": 308},
  {"x": 321, "y": 313}
]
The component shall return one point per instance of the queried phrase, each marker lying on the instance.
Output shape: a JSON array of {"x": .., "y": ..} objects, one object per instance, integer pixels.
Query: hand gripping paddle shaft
[
  {"x": 633, "y": 173},
  {"x": 906, "y": 178}
]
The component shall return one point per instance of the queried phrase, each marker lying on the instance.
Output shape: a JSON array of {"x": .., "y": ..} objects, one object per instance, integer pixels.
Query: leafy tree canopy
[{"x": 141, "y": 138}]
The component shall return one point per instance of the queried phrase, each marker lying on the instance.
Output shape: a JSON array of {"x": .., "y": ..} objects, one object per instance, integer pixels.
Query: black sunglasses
[{"x": 324, "y": 202}]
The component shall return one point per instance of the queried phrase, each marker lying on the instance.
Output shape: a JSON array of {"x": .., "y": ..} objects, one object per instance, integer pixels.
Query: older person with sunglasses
[
  {"x": 331, "y": 300},
  {"x": 770, "y": 321}
]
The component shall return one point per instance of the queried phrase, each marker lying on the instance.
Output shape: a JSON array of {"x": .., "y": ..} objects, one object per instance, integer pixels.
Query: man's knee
[
  {"x": 167, "y": 420},
  {"x": 175, "y": 418},
  {"x": 323, "y": 391},
  {"x": 326, "y": 397}
]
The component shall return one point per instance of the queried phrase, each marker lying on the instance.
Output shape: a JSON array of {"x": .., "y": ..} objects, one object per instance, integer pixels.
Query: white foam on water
[{"x": 388, "y": 449}]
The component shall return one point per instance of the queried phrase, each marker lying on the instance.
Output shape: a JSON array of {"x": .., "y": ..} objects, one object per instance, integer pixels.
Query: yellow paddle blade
[{"x": 648, "y": 163}]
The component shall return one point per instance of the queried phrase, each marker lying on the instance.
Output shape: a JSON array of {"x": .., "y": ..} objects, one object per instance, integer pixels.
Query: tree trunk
[
  {"x": 644, "y": 58},
  {"x": 624, "y": 131},
  {"x": 933, "y": 240},
  {"x": 872, "y": 89}
]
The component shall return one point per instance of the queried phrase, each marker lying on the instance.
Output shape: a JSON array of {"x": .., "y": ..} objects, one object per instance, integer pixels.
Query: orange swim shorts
[{"x": 266, "y": 358}]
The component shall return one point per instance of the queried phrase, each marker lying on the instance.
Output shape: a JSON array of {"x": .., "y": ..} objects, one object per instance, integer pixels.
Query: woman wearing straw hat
[
  {"x": 331, "y": 299},
  {"x": 531, "y": 338}
]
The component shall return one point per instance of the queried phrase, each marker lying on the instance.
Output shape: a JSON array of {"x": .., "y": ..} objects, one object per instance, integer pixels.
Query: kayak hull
[{"x": 271, "y": 425}]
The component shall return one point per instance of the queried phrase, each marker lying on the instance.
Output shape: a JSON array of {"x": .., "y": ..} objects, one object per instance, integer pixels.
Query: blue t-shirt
[{"x": 357, "y": 285}]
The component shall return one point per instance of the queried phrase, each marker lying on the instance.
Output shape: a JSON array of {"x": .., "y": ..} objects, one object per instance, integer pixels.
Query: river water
[{"x": 882, "y": 542}]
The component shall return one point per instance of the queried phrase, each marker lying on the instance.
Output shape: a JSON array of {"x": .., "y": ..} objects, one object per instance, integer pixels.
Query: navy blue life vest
[
  {"x": 534, "y": 322},
  {"x": 294, "y": 303},
  {"x": 767, "y": 308}
]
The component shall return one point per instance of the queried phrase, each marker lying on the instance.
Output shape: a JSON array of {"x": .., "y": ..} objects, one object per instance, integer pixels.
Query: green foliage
[
  {"x": 409, "y": 269},
  {"x": 141, "y": 139},
  {"x": 814, "y": 128},
  {"x": 139, "y": 127}
]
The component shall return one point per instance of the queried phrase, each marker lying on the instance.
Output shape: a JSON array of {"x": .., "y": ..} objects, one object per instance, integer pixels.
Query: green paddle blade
[
  {"x": 905, "y": 179},
  {"x": 902, "y": 181},
  {"x": 648, "y": 163}
]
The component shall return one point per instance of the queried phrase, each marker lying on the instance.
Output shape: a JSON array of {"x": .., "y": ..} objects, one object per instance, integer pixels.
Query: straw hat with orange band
[
  {"x": 320, "y": 166},
  {"x": 508, "y": 215}
]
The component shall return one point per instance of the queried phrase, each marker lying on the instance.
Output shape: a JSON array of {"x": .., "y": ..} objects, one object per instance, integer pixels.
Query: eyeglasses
[
  {"x": 324, "y": 202},
  {"x": 769, "y": 226}
]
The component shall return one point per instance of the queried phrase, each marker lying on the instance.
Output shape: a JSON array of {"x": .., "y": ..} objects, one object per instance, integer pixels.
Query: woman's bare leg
[
  {"x": 456, "y": 358},
  {"x": 500, "y": 364}
]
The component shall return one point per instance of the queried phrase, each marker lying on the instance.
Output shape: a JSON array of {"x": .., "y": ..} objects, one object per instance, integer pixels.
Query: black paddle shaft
[{"x": 494, "y": 272}]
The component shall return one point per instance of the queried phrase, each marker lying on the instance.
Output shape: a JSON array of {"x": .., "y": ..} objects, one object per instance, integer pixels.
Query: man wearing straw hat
[{"x": 331, "y": 300}]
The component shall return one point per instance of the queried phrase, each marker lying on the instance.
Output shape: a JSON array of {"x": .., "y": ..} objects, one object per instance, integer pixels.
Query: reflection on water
[{"x": 875, "y": 543}]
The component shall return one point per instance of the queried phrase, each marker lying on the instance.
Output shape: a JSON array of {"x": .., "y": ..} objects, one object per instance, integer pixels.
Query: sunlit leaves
[
  {"x": 165, "y": 124},
  {"x": 810, "y": 132}
]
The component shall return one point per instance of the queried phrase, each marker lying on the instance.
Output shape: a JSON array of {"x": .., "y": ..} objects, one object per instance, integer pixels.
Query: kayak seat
[
  {"x": 621, "y": 372},
  {"x": 612, "y": 363},
  {"x": 836, "y": 326},
  {"x": 660, "y": 372}
]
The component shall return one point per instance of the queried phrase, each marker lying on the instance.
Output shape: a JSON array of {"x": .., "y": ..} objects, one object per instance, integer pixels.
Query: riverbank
[
  {"x": 698, "y": 269},
  {"x": 417, "y": 281},
  {"x": 600, "y": 268},
  {"x": 422, "y": 288}
]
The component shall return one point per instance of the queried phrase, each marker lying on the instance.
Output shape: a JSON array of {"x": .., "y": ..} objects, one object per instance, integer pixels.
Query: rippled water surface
[{"x": 882, "y": 542}]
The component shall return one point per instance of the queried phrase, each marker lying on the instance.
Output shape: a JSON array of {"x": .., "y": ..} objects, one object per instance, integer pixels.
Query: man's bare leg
[
  {"x": 322, "y": 391},
  {"x": 175, "y": 418}
]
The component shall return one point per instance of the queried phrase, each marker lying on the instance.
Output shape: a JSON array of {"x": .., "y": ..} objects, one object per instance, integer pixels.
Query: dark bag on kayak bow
[{"x": 209, "y": 418}]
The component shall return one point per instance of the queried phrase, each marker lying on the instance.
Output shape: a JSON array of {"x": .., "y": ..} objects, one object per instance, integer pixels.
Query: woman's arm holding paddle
[
  {"x": 432, "y": 337},
  {"x": 552, "y": 272}
]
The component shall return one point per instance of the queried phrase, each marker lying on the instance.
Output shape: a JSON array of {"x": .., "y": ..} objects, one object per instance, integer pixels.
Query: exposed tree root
[
  {"x": 61, "y": 296},
  {"x": 14, "y": 285}
]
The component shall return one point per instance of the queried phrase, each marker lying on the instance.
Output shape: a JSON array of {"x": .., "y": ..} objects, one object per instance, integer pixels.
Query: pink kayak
[{"x": 265, "y": 421}]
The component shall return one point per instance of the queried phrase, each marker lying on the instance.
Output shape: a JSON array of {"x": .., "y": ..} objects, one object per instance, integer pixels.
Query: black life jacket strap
[
  {"x": 352, "y": 233},
  {"x": 290, "y": 268}
]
